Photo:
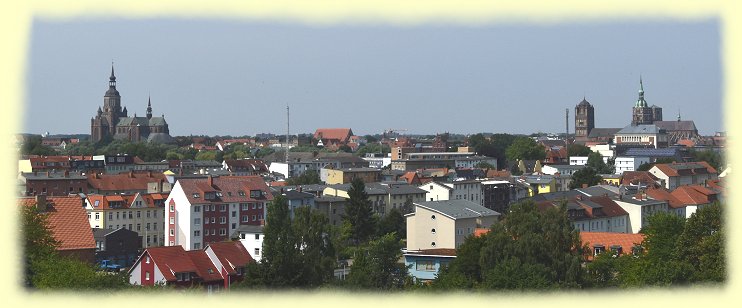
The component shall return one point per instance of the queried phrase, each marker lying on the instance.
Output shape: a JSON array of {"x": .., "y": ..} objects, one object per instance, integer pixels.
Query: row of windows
[
  {"x": 129, "y": 215},
  {"x": 138, "y": 227}
]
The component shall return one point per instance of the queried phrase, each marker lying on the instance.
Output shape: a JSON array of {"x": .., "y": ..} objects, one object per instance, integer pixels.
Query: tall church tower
[
  {"x": 584, "y": 119},
  {"x": 104, "y": 123},
  {"x": 642, "y": 113}
]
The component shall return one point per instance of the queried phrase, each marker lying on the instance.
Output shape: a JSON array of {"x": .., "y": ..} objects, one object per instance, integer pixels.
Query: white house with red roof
[
  {"x": 142, "y": 213},
  {"x": 175, "y": 266},
  {"x": 208, "y": 209},
  {"x": 230, "y": 259},
  {"x": 678, "y": 174}
]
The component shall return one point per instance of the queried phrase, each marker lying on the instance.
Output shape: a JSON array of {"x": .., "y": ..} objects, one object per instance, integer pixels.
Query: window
[
  {"x": 245, "y": 218},
  {"x": 197, "y": 221},
  {"x": 222, "y": 207},
  {"x": 146, "y": 275},
  {"x": 97, "y": 216},
  {"x": 196, "y": 232},
  {"x": 148, "y": 225},
  {"x": 260, "y": 205},
  {"x": 240, "y": 192},
  {"x": 234, "y": 225},
  {"x": 196, "y": 195},
  {"x": 172, "y": 232},
  {"x": 432, "y": 217},
  {"x": 197, "y": 246},
  {"x": 257, "y": 236},
  {"x": 139, "y": 214},
  {"x": 254, "y": 218},
  {"x": 254, "y": 206},
  {"x": 146, "y": 260},
  {"x": 172, "y": 220},
  {"x": 110, "y": 227},
  {"x": 222, "y": 231},
  {"x": 172, "y": 243},
  {"x": 234, "y": 213},
  {"x": 257, "y": 252},
  {"x": 172, "y": 208},
  {"x": 213, "y": 231},
  {"x": 222, "y": 220},
  {"x": 244, "y": 206},
  {"x": 197, "y": 208},
  {"x": 139, "y": 227},
  {"x": 130, "y": 227},
  {"x": 432, "y": 244},
  {"x": 154, "y": 226},
  {"x": 432, "y": 231},
  {"x": 425, "y": 265},
  {"x": 213, "y": 220},
  {"x": 148, "y": 214},
  {"x": 110, "y": 216},
  {"x": 130, "y": 215}
]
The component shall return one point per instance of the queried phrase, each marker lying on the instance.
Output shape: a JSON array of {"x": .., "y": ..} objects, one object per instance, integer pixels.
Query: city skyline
[{"x": 236, "y": 78}]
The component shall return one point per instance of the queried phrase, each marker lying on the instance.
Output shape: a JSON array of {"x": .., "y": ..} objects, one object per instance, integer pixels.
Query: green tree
[
  {"x": 585, "y": 175},
  {"x": 701, "y": 244},
  {"x": 713, "y": 158},
  {"x": 484, "y": 165},
  {"x": 308, "y": 177},
  {"x": 578, "y": 150},
  {"x": 359, "y": 214},
  {"x": 32, "y": 145},
  {"x": 595, "y": 161},
  {"x": 317, "y": 254},
  {"x": 376, "y": 265},
  {"x": 464, "y": 272},
  {"x": 525, "y": 148},
  {"x": 39, "y": 242},
  {"x": 206, "y": 155},
  {"x": 280, "y": 253},
  {"x": 393, "y": 222},
  {"x": 494, "y": 146}
]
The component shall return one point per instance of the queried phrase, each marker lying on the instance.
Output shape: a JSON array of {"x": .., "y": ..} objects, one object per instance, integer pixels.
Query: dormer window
[
  {"x": 218, "y": 193},
  {"x": 241, "y": 193},
  {"x": 196, "y": 195},
  {"x": 256, "y": 194},
  {"x": 598, "y": 249},
  {"x": 432, "y": 217}
]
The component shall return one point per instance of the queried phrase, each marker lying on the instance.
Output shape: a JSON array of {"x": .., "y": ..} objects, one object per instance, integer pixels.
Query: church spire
[
  {"x": 112, "y": 79},
  {"x": 149, "y": 107},
  {"x": 641, "y": 102}
]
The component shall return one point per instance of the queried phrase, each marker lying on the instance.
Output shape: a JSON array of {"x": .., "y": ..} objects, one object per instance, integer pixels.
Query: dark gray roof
[
  {"x": 600, "y": 190},
  {"x": 293, "y": 195},
  {"x": 640, "y": 129},
  {"x": 383, "y": 189},
  {"x": 160, "y": 138},
  {"x": 326, "y": 198},
  {"x": 676, "y": 125},
  {"x": 603, "y": 132},
  {"x": 143, "y": 121},
  {"x": 248, "y": 229},
  {"x": 458, "y": 209}
]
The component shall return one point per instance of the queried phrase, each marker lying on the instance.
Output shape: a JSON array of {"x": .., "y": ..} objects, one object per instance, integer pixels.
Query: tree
[
  {"x": 578, "y": 150},
  {"x": 585, "y": 176},
  {"x": 279, "y": 262},
  {"x": 306, "y": 178},
  {"x": 713, "y": 158},
  {"x": 494, "y": 146},
  {"x": 377, "y": 266},
  {"x": 393, "y": 222},
  {"x": 317, "y": 254},
  {"x": 525, "y": 148},
  {"x": 701, "y": 244},
  {"x": 595, "y": 161},
  {"x": 484, "y": 165},
  {"x": 39, "y": 242},
  {"x": 358, "y": 213},
  {"x": 529, "y": 249}
]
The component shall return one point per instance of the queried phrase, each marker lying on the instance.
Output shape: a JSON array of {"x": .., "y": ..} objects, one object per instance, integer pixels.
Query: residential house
[
  {"x": 539, "y": 184},
  {"x": 333, "y": 207},
  {"x": 425, "y": 264},
  {"x": 594, "y": 214},
  {"x": 445, "y": 224},
  {"x": 654, "y": 154},
  {"x": 245, "y": 166},
  {"x": 127, "y": 183},
  {"x": 53, "y": 183},
  {"x": 383, "y": 196},
  {"x": 639, "y": 207},
  {"x": 629, "y": 163},
  {"x": 251, "y": 237},
  {"x": 174, "y": 266},
  {"x": 202, "y": 210},
  {"x": 119, "y": 246},
  {"x": 66, "y": 220},
  {"x": 678, "y": 174},
  {"x": 470, "y": 190},
  {"x": 141, "y": 213},
  {"x": 230, "y": 259},
  {"x": 333, "y": 138},
  {"x": 616, "y": 243},
  {"x": 333, "y": 176}
]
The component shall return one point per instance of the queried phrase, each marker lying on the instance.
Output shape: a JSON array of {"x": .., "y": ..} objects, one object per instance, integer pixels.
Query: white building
[
  {"x": 639, "y": 209},
  {"x": 204, "y": 210},
  {"x": 458, "y": 190},
  {"x": 624, "y": 163},
  {"x": 252, "y": 238},
  {"x": 445, "y": 224}
]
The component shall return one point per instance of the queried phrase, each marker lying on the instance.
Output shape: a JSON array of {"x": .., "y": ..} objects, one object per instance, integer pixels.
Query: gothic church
[{"x": 114, "y": 123}]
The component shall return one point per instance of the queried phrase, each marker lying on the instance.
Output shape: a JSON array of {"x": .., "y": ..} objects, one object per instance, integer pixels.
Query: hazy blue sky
[{"x": 235, "y": 77}]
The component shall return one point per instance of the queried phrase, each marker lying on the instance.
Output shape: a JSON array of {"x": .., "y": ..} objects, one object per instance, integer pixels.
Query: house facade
[
  {"x": 675, "y": 175},
  {"x": 141, "y": 213},
  {"x": 445, "y": 224}
]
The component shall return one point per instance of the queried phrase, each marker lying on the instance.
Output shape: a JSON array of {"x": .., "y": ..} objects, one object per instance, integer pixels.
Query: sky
[{"x": 236, "y": 77}]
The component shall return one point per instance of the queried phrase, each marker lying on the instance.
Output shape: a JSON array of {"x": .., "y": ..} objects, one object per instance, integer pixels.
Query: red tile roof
[
  {"x": 411, "y": 178},
  {"x": 677, "y": 169},
  {"x": 481, "y": 231},
  {"x": 608, "y": 239},
  {"x": 231, "y": 255},
  {"x": 228, "y": 186},
  {"x": 124, "y": 181},
  {"x": 340, "y": 134},
  {"x": 68, "y": 222},
  {"x": 170, "y": 260},
  {"x": 660, "y": 193},
  {"x": 205, "y": 269},
  {"x": 694, "y": 194},
  {"x": 636, "y": 177}
]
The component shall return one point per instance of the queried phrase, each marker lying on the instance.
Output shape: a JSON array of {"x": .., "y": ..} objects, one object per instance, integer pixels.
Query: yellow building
[
  {"x": 541, "y": 184},
  {"x": 346, "y": 175}
]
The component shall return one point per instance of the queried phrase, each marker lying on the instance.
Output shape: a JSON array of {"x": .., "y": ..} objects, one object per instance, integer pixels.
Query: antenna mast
[
  {"x": 287, "y": 133},
  {"x": 566, "y": 136}
]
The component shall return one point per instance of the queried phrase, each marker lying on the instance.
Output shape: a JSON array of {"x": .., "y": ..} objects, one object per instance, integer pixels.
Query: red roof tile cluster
[
  {"x": 694, "y": 194},
  {"x": 338, "y": 135},
  {"x": 126, "y": 201},
  {"x": 637, "y": 177},
  {"x": 124, "y": 181},
  {"x": 68, "y": 221},
  {"x": 411, "y": 178},
  {"x": 608, "y": 239},
  {"x": 231, "y": 255},
  {"x": 251, "y": 165},
  {"x": 230, "y": 188},
  {"x": 688, "y": 168},
  {"x": 660, "y": 193}
]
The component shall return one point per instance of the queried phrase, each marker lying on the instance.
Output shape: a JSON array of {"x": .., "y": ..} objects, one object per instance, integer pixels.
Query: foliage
[
  {"x": 237, "y": 151},
  {"x": 359, "y": 214},
  {"x": 376, "y": 265},
  {"x": 306, "y": 178},
  {"x": 525, "y": 148},
  {"x": 307, "y": 148},
  {"x": 595, "y": 161},
  {"x": 585, "y": 175},
  {"x": 373, "y": 148},
  {"x": 393, "y": 222},
  {"x": 206, "y": 155},
  {"x": 530, "y": 249},
  {"x": 702, "y": 244},
  {"x": 297, "y": 253},
  {"x": 345, "y": 148},
  {"x": 578, "y": 150},
  {"x": 713, "y": 158},
  {"x": 484, "y": 165},
  {"x": 494, "y": 146},
  {"x": 39, "y": 242},
  {"x": 32, "y": 146}
]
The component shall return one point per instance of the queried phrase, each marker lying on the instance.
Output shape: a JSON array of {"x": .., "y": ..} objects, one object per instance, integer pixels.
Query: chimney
[
  {"x": 210, "y": 180},
  {"x": 131, "y": 173},
  {"x": 41, "y": 203},
  {"x": 149, "y": 173},
  {"x": 299, "y": 188},
  {"x": 66, "y": 173}
]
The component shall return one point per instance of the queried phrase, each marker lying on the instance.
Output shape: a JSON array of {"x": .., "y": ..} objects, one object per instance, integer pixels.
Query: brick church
[{"x": 111, "y": 122}]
